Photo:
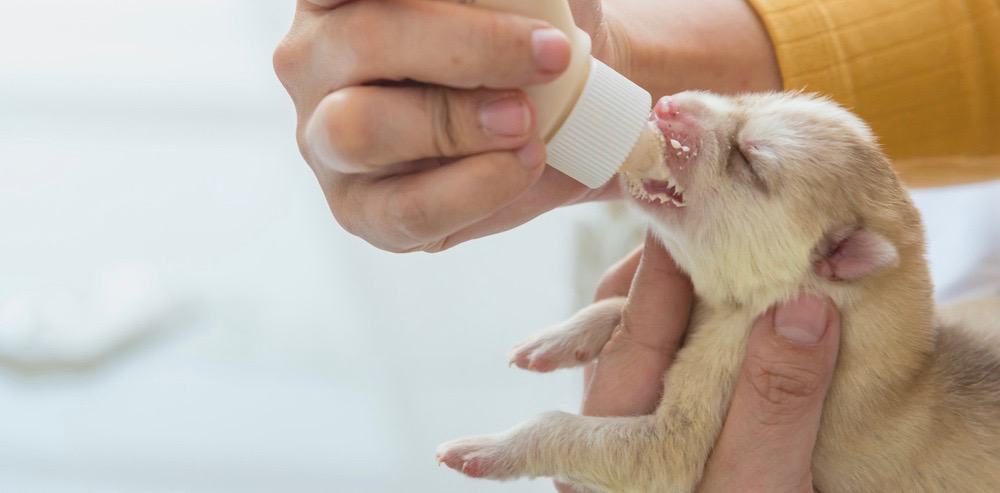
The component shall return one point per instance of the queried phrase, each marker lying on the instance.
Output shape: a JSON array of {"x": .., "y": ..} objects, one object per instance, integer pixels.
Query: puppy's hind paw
[{"x": 479, "y": 457}]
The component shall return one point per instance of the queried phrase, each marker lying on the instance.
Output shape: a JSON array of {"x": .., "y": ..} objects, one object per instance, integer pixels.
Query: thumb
[
  {"x": 627, "y": 379},
  {"x": 767, "y": 441}
]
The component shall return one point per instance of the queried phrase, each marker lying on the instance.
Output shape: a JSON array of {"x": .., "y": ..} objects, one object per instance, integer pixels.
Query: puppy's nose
[
  {"x": 678, "y": 108},
  {"x": 682, "y": 118},
  {"x": 678, "y": 118},
  {"x": 666, "y": 108}
]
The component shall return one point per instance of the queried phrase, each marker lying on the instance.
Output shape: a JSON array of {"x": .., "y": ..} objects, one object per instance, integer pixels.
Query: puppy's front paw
[
  {"x": 573, "y": 342},
  {"x": 557, "y": 349},
  {"x": 480, "y": 457}
]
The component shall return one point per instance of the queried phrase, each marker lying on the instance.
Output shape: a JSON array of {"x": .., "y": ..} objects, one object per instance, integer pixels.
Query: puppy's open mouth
[{"x": 666, "y": 192}]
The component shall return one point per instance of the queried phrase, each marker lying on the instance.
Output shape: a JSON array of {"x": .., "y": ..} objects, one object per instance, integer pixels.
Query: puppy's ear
[{"x": 849, "y": 253}]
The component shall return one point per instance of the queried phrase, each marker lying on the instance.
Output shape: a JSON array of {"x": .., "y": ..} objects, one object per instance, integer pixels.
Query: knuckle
[
  {"x": 359, "y": 34},
  {"x": 411, "y": 216},
  {"x": 618, "y": 343},
  {"x": 342, "y": 203},
  {"x": 350, "y": 201},
  {"x": 445, "y": 132},
  {"x": 345, "y": 220},
  {"x": 504, "y": 46},
  {"x": 349, "y": 124},
  {"x": 286, "y": 59},
  {"x": 785, "y": 390},
  {"x": 494, "y": 34},
  {"x": 624, "y": 340},
  {"x": 438, "y": 246}
]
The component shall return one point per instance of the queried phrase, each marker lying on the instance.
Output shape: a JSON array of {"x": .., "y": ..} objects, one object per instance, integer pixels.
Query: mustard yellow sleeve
[{"x": 925, "y": 74}]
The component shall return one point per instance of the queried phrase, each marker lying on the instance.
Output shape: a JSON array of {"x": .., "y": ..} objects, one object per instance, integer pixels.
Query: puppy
[{"x": 766, "y": 196}]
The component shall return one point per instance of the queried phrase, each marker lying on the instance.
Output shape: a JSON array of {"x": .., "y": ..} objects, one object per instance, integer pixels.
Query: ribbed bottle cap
[{"x": 602, "y": 128}]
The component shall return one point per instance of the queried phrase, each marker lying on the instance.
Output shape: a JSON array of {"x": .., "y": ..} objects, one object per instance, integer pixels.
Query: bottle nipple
[{"x": 646, "y": 161}]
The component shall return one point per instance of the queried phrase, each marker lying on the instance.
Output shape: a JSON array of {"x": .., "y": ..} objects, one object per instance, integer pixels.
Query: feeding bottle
[{"x": 594, "y": 120}]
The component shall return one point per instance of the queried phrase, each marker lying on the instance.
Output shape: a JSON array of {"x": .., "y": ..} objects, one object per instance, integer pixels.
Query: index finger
[{"x": 380, "y": 40}]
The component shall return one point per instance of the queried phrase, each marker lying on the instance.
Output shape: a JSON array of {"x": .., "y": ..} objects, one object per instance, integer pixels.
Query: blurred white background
[{"x": 179, "y": 312}]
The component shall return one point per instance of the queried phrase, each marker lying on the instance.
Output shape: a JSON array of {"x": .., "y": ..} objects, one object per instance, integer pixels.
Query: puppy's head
[{"x": 768, "y": 193}]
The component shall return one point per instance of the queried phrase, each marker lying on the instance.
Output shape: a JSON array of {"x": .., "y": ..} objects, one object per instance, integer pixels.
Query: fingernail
[
  {"x": 532, "y": 155},
  {"x": 506, "y": 117},
  {"x": 802, "y": 321},
  {"x": 551, "y": 50}
]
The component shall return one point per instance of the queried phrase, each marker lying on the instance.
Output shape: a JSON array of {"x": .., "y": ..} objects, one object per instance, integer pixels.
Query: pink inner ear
[{"x": 859, "y": 254}]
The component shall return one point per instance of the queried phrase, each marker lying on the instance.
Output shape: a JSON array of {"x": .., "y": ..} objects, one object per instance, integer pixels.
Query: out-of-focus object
[{"x": 73, "y": 330}]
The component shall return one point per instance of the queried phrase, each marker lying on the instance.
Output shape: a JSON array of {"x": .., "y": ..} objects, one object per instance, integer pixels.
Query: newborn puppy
[{"x": 767, "y": 196}]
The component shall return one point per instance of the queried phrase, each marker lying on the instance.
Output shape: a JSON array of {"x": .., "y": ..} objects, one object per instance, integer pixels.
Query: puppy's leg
[
  {"x": 573, "y": 342},
  {"x": 608, "y": 453},
  {"x": 664, "y": 452}
]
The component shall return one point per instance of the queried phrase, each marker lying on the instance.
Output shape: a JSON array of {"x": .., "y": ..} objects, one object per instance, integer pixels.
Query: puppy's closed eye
[{"x": 741, "y": 164}]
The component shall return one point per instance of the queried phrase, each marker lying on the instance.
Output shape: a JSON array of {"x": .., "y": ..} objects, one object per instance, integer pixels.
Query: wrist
[
  {"x": 674, "y": 45},
  {"x": 612, "y": 42}
]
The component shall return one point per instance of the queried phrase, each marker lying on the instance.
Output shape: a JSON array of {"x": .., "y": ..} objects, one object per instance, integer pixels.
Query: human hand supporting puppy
[{"x": 767, "y": 441}]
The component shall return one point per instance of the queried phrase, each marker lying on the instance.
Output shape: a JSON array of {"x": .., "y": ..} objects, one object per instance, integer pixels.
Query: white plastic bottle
[{"x": 592, "y": 118}]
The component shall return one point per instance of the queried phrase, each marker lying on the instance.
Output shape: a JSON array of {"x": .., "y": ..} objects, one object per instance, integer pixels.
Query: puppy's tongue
[
  {"x": 659, "y": 188},
  {"x": 646, "y": 160}
]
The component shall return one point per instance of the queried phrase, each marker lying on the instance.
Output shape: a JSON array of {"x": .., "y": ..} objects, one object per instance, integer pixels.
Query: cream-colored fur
[{"x": 914, "y": 405}]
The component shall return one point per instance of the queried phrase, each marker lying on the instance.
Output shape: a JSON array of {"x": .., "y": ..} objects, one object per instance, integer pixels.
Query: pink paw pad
[
  {"x": 481, "y": 458},
  {"x": 452, "y": 460},
  {"x": 477, "y": 467},
  {"x": 543, "y": 364},
  {"x": 548, "y": 354}
]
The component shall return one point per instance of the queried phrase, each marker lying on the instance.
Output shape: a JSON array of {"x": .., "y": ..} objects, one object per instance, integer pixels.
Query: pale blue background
[{"x": 156, "y": 133}]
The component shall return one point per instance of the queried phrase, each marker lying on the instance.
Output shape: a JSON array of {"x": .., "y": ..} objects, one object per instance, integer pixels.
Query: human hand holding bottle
[{"x": 409, "y": 111}]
